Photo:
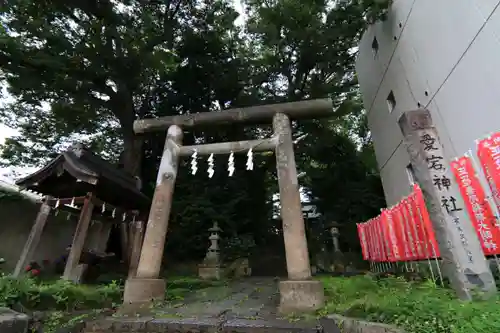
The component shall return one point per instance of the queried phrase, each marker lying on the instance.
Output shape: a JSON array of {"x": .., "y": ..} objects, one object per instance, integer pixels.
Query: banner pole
[{"x": 488, "y": 194}]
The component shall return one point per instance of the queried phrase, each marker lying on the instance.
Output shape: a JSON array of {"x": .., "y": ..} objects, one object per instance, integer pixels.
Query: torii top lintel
[{"x": 315, "y": 108}]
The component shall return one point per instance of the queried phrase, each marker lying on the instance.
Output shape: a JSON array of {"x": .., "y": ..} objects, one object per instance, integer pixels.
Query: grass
[
  {"x": 414, "y": 307},
  {"x": 178, "y": 287},
  {"x": 61, "y": 302},
  {"x": 66, "y": 304},
  {"x": 61, "y": 295}
]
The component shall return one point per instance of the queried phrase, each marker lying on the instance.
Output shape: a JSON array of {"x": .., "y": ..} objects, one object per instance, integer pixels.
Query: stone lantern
[
  {"x": 211, "y": 267},
  {"x": 334, "y": 231},
  {"x": 338, "y": 258}
]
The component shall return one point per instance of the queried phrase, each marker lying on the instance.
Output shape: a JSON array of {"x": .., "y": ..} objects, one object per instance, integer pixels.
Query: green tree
[
  {"x": 96, "y": 66},
  {"x": 307, "y": 49},
  {"x": 90, "y": 69}
]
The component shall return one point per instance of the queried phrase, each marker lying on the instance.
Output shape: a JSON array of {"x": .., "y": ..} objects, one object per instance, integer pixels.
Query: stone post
[
  {"x": 146, "y": 286},
  {"x": 211, "y": 266},
  {"x": 335, "y": 238},
  {"x": 299, "y": 293},
  {"x": 463, "y": 260},
  {"x": 137, "y": 233}
]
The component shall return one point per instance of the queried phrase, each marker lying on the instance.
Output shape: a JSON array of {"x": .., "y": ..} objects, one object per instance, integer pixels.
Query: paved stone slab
[
  {"x": 254, "y": 298},
  {"x": 13, "y": 322},
  {"x": 207, "y": 325},
  {"x": 268, "y": 326},
  {"x": 245, "y": 306}
]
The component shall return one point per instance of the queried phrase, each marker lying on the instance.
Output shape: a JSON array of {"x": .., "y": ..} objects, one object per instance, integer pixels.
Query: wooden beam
[
  {"x": 33, "y": 238},
  {"x": 255, "y": 114},
  {"x": 228, "y": 147},
  {"x": 79, "y": 239}
]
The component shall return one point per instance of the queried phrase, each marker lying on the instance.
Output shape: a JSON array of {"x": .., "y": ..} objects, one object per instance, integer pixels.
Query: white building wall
[{"x": 443, "y": 55}]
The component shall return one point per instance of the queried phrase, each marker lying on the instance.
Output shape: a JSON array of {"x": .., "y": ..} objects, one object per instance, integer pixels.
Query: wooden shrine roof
[{"x": 78, "y": 171}]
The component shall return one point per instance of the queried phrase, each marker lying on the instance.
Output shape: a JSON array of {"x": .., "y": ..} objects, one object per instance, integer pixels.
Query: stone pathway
[
  {"x": 251, "y": 298},
  {"x": 244, "y": 306}
]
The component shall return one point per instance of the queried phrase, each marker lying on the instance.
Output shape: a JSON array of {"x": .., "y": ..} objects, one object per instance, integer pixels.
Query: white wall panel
[
  {"x": 463, "y": 88},
  {"x": 486, "y": 7},
  {"x": 440, "y": 31},
  {"x": 469, "y": 101}
]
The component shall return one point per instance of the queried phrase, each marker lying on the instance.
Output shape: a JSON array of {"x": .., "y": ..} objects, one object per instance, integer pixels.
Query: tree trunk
[
  {"x": 131, "y": 160},
  {"x": 132, "y": 154}
]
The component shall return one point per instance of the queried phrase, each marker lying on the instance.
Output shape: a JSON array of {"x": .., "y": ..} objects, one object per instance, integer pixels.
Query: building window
[
  {"x": 411, "y": 174},
  {"x": 375, "y": 46},
  {"x": 391, "y": 101}
]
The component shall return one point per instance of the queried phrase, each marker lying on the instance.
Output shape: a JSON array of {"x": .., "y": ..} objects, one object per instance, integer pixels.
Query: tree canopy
[{"x": 86, "y": 70}]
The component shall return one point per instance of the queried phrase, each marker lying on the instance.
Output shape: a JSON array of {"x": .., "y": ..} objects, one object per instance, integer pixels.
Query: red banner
[
  {"x": 488, "y": 151},
  {"x": 369, "y": 241},
  {"x": 362, "y": 240},
  {"x": 425, "y": 246},
  {"x": 395, "y": 244},
  {"x": 376, "y": 250},
  {"x": 402, "y": 231},
  {"x": 413, "y": 226},
  {"x": 426, "y": 220},
  {"x": 375, "y": 253},
  {"x": 411, "y": 230},
  {"x": 479, "y": 210},
  {"x": 387, "y": 243},
  {"x": 380, "y": 239}
]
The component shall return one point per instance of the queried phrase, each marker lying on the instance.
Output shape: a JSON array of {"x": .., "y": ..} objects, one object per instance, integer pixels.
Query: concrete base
[
  {"x": 301, "y": 296},
  {"x": 207, "y": 272},
  {"x": 144, "y": 291}
]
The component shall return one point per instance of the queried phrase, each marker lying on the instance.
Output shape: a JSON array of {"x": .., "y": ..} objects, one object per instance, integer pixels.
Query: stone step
[
  {"x": 208, "y": 325},
  {"x": 13, "y": 322}
]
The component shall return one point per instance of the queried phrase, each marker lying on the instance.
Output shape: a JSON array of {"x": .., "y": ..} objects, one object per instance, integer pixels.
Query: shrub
[
  {"x": 57, "y": 295},
  {"x": 414, "y": 307}
]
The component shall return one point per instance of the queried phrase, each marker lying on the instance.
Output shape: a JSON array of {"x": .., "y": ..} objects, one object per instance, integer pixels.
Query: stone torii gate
[{"x": 299, "y": 292}]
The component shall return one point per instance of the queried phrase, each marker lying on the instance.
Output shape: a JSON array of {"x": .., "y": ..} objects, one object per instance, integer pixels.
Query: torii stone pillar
[
  {"x": 299, "y": 293},
  {"x": 146, "y": 286}
]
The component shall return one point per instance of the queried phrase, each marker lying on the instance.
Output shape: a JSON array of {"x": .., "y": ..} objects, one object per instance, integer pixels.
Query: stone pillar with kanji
[{"x": 463, "y": 261}]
